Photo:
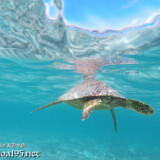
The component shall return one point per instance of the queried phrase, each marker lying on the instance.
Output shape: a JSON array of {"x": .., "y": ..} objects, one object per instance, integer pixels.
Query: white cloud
[
  {"x": 102, "y": 23},
  {"x": 150, "y": 19},
  {"x": 146, "y": 15},
  {"x": 130, "y": 3},
  {"x": 135, "y": 22}
]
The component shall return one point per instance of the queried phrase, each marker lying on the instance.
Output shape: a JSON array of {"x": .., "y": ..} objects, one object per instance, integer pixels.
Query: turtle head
[{"x": 140, "y": 107}]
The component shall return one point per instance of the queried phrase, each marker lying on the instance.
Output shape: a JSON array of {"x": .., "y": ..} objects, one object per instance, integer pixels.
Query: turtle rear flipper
[
  {"x": 48, "y": 105},
  {"x": 138, "y": 106},
  {"x": 114, "y": 119}
]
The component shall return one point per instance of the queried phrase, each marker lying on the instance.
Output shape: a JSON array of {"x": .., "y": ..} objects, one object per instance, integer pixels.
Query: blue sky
[{"x": 107, "y": 14}]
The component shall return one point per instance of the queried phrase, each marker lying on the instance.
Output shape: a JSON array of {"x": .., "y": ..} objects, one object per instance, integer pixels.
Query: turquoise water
[
  {"x": 58, "y": 132},
  {"x": 36, "y": 69}
]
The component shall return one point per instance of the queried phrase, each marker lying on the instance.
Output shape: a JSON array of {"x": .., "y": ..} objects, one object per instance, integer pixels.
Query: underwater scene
[{"x": 96, "y": 79}]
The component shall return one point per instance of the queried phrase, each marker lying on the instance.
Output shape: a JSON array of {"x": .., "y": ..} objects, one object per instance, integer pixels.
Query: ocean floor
[{"x": 59, "y": 148}]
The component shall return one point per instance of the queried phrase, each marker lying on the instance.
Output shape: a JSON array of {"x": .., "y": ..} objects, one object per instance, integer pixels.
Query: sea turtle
[{"x": 93, "y": 94}]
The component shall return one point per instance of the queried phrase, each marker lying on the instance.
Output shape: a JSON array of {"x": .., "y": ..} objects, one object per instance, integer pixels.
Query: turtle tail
[
  {"x": 48, "y": 105},
  {"x": 138, "y": 106}
]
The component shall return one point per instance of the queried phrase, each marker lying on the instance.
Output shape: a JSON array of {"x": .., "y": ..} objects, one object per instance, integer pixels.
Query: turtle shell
[{"x": 89, "y": 87}]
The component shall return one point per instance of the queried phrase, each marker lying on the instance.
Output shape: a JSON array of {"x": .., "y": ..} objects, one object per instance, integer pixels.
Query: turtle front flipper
[
  {"x": 138, "y": 106},
  {"x": 114, "y": 119},
  {"x": 89, "y": 107},
  {"x": 48, "y": 105}
]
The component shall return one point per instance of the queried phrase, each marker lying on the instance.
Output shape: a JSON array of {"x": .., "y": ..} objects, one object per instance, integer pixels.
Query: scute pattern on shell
[{"x": 90, "y": 87}]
